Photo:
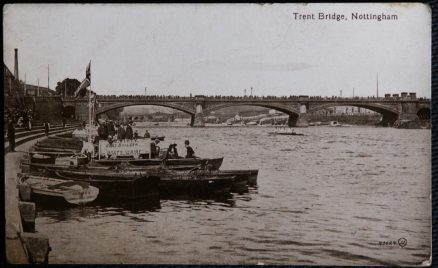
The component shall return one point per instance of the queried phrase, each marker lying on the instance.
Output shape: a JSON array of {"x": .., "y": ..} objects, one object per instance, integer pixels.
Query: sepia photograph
[{"x": 218, "y": 134}]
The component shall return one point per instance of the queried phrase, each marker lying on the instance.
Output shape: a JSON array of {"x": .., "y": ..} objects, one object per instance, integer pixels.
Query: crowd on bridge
[{"x": 248, "y": 97}]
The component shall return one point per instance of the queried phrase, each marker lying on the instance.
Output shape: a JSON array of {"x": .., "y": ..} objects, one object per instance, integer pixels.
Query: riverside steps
[
  {"x": 23, "y": 244},
  {"x": 22, "y": 135}
]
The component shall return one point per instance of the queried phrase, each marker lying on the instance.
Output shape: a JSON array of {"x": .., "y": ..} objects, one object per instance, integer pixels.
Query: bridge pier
[
  {"x": 197, "y": 120},
  {"x": 408, "y": 117},
  {"x": 302, "y": 121},
  {"x": 302, "y": 117},
  {"x": 388, "y": 120}
]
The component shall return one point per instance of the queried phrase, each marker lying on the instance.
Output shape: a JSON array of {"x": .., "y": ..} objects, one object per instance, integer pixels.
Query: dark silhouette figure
[
  {"x": 155, "y": 150},
  {"x": 129, "y": 134},
  {"x": 172, "y": 152},
  {"x": 111, "y": 129},
  {"x": 147, "y": 135},
  {"x": 11, "y": 135},
  {"x": 120, "y": 133},
  {"x": 190, "y": 152},
  {"x": 46, "y": 128}
]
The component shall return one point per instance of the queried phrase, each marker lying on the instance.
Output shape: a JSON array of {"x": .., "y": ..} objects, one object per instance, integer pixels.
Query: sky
[{"x": 222, "y": 49}]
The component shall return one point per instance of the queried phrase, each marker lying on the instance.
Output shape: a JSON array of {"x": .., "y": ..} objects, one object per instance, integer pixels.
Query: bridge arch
[
  {"x": 175, "y": 106},
  {"x": 69, "y": 111},
  {"x": 424, "y": 113},
  {"x": 276, "y": 106},
  {"x": 389, "y": 114}
]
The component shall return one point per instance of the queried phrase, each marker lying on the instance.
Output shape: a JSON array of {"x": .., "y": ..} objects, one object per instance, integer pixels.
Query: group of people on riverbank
[{"x": 11, "y": 125}]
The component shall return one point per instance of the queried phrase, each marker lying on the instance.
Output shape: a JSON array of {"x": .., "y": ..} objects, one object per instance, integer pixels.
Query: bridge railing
[{"x": 247, "y": 98}]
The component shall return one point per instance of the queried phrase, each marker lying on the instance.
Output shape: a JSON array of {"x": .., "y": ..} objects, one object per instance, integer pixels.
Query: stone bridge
[{"x": 395, "y": 110}]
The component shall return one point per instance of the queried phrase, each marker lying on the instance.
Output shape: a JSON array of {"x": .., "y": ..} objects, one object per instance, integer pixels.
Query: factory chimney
[{"x": 16, "y": 65}]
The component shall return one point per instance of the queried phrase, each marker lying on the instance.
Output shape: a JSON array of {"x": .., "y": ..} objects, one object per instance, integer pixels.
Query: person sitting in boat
[
  {"x": 190, "y": 152},
  {"x": 147, "y": 135},
  {"x": 172, "y": 152},
  {"x": 155, "y": 149},
  {"x": 135, "y": 135}
]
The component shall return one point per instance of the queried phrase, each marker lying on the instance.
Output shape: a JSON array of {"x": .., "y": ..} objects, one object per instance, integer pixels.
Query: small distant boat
[
  {"x": 251, "y": 123},
  {"x": 335, "y": 124},
  {"x": 72, "y": 192},
  {"x": 161, "y": 138},
  {"x": 289, "y": 132}
]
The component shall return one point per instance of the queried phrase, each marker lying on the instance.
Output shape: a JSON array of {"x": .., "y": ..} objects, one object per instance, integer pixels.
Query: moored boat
[
  {"x": 249, "y": 174},
  {"x": 113, "y": 183},
  {"x": 46, "y": 188},
  {"x": 193, "y": 183},
  {"x": 179, "y": 163},
  {"x": 41, "y": 159}
]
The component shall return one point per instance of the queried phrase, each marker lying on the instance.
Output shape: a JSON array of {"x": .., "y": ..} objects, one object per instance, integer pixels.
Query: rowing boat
[
  {"x": 112, "y": 183},
  {"x": 180, "y": 163},
  {"x": 55, "y": 190}
]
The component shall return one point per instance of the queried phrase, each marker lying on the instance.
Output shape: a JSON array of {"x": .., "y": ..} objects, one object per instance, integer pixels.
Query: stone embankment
[
  {"x": 23, "y": 135},
  {"x": 23, "y": 244}
]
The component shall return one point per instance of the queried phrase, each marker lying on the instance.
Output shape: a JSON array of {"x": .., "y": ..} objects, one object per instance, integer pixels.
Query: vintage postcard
[{"x": 245, "y": 134}]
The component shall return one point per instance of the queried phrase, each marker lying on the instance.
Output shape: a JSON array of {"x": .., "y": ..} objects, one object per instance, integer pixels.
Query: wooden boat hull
[
  {"x": 114, "y": 185},
  {"x": 42, "y": 159},
  {"x": 249, "y": 174},
  {"x": 197, "y": 182},
  {"x": 181, "y": 163},
  {"x": 195, "y": 186},
  {"x": 57, "y": 191}
]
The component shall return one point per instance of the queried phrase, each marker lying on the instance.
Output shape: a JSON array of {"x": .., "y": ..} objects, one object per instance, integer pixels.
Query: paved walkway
[{"x": 15, "y": 250}]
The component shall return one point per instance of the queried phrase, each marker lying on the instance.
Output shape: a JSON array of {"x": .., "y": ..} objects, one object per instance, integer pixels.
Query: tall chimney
[{"x": 16, "y": 65}]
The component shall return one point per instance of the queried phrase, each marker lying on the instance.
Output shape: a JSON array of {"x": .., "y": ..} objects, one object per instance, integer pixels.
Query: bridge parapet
[{"x": 140, "y": 98}]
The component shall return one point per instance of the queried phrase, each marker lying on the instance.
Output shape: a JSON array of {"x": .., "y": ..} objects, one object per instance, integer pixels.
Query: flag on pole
[
  {"x": 81, "y": 90},
  {"x": 88, "y": 72}
]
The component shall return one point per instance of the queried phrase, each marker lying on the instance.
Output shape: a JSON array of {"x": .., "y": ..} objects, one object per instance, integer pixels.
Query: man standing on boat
[
  {"x": 190, "y": 152},
  {"x": 155, "y": 149},
  {"x": 129, "y": 134},
  {"x": 111, "y": 129},
  {"x": 120, "y": 133}
]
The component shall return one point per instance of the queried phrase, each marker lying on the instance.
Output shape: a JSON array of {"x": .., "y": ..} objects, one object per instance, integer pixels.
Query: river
[{"x": 336, "y": 196}]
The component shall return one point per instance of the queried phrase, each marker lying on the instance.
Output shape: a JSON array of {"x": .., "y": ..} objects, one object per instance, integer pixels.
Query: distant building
[
  {"x": 32, "y": 90},
  {"x": 345, "y": 110}
]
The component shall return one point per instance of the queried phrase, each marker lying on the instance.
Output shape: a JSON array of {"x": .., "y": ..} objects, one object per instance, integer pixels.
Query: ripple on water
[{"x": 321, "y": 200}]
